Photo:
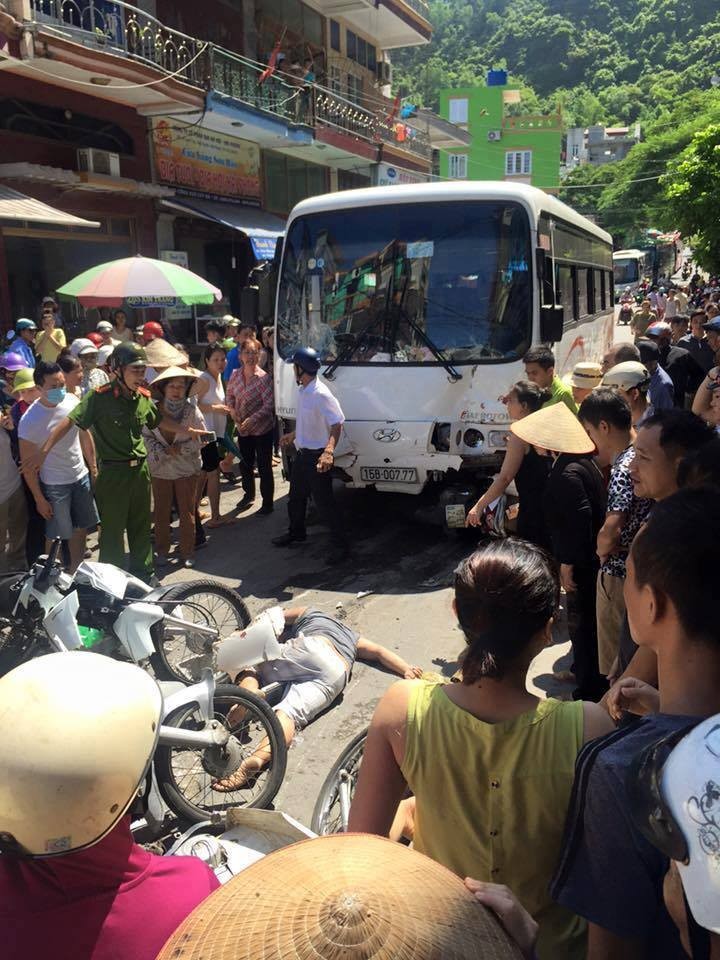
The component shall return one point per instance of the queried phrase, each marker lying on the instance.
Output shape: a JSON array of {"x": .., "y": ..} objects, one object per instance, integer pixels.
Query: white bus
[
  {"x": 422, "y": 300},
  {"x": 630, "y": 268}
]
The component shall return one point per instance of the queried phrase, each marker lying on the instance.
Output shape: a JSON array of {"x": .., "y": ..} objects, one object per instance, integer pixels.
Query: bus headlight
[{"x": 473, "y": 438}]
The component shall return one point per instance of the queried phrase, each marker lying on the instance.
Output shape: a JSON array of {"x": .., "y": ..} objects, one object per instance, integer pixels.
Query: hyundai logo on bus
[{"x": 386, "y": 435}]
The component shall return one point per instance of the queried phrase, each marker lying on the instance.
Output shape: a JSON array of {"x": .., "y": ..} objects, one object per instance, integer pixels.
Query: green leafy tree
[{"x": 691, "y": 192}]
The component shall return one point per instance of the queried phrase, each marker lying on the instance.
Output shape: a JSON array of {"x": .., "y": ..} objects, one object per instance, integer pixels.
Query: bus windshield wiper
[
  {"x": 350, "y": 348},
  {"x": 453, "y": 373}
]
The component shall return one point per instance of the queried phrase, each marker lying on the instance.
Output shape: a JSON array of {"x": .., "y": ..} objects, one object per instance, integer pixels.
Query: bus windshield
[
  {"x": 446, "y": 282},
  {"x": 625, "y": 271}
]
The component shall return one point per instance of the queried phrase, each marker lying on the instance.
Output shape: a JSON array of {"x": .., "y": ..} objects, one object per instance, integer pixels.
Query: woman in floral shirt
[{"x": 249, "y": 396}]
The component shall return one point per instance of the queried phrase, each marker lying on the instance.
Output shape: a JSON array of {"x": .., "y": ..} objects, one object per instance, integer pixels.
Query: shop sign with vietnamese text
[{"x": 205, "y": 163}]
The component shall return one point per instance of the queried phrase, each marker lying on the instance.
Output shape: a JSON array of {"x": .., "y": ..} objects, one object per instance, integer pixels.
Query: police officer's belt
[{"x": 127, "y": 463}]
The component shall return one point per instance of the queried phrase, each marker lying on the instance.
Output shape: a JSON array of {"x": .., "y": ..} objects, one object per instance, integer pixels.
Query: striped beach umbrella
[{"x": 139, "y": 282}]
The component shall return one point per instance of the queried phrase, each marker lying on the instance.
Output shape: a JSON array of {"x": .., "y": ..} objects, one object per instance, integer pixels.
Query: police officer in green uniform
[{"x": 116, "y": 413}]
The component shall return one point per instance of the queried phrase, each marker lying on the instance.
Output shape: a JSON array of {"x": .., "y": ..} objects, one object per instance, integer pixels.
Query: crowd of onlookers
[
  {"x": 212, "y": 422},
  {"x": 573, "y": 804}
]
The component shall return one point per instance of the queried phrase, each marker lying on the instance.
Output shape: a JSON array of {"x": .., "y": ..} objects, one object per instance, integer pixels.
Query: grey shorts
[{"x": 313, "y": 675}]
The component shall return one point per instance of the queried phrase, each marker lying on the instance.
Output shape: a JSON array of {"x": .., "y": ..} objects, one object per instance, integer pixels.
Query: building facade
[
  {"x": 504, "y": 145},
  {"x": 189, "y": 131},
  {"x": 598, "y": 145}
]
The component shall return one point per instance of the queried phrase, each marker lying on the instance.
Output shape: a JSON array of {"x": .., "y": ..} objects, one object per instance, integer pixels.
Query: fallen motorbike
[{"x": 173, "y": 627}]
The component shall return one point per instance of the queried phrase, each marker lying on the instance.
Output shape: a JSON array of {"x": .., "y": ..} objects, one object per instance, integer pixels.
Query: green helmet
[{"x": 127, "y": 355}]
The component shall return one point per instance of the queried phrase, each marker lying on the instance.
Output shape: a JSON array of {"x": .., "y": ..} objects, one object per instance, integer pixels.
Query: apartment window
[
  {"x": 372, "y": 58},
  {"x": 362, "y": 52},
  {"x": 354, "y": 88},
  {"x": 335, "y": 78},
  {"x": 458, "y": 109},
  {"x": 351, "y": 45},
  {"x": 458, "y": 165},
  {"x": 518, "y": 163},
  {"x": 335, "y": 35}
]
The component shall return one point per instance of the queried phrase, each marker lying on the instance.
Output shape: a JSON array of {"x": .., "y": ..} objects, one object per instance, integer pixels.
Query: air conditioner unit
[
  {"x": 98, "y": 161},
  {"x": 494, "y": 135},
  {"x": 384, "y": 71}
]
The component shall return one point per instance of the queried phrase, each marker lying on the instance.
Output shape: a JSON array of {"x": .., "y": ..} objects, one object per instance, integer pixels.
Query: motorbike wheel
[
  {"x": 336, "y": 793},
  {"x": 185, "y": 775},
  {"x": 180, "y": 655}
]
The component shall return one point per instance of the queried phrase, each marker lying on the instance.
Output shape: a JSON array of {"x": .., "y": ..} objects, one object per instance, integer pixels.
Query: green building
[{"x": 523, "y": 149}]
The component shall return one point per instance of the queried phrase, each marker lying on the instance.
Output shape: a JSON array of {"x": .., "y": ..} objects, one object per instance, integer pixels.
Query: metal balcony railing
[
  {"x": 238, "y": 77},
  {"x": 125, "y": 29},
  {"x": 421, "y": 7},
  {"x": 333, "y": 110}
]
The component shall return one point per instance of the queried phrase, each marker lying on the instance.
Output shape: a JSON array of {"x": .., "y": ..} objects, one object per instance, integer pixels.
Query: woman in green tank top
[{"x": 490, "y": 765}]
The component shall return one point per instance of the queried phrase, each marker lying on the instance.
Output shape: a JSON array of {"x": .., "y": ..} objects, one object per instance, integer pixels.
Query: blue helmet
[
  {"x": 25, "y": 324},
  {"x": 307, "y": 359}
]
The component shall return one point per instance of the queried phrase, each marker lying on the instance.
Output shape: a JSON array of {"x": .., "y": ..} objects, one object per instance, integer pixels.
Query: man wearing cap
[
  {"x": 661, "y": 392},
  {"x": 683, "y": 370},
  {"x": 642, "y": 319},
  {"x": 318, "y": 426},
  {"x": 632, "y": 380},
  {"x": 50, "y": 303},
  {"x": 116, "y": 414},
  {"x": 583, "y": 380},
  {"x": 106, "y": 331},
  {"x": 24, "y": 341},
  {"x": 540, "y": 369}
]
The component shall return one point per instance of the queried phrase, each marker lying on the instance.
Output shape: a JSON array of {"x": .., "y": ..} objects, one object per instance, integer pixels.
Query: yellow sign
[{"x": 204, "y": 162}]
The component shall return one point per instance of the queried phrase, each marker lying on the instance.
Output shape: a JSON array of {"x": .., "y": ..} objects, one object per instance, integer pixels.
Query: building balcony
[
  {"x": 391, "y": 23},
  {"x": 120, "y": 50}
]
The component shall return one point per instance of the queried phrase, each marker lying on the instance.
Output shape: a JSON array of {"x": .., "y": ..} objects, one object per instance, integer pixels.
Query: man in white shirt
[
  {"x": 318, "y": 426},
  {"x": 62, "y": 491}
]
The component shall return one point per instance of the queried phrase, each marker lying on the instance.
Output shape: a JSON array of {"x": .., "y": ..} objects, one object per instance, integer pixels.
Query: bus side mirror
[
  {"x": 249, "y": 305},
  {"x": 552, "y": 318}
]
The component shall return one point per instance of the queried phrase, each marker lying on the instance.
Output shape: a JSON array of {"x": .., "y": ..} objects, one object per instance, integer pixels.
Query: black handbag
[{"x": 210, "y": 456}]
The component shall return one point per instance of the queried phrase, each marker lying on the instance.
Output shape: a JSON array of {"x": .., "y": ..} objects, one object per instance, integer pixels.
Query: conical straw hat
[
  {"x": 554, "y": 428},
  {"x": 342, "y": 897},
  {"x": 161, "y": 354}
]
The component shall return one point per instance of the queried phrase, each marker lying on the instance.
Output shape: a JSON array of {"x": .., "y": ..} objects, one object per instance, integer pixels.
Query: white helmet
[
  {"x": 77, "y": 732},
  {"x": 627, "y": 375},
  {"x": 104, "y": 354},
  {"x": 82, "y": 346},
  {"x": 674, "y": 788}
]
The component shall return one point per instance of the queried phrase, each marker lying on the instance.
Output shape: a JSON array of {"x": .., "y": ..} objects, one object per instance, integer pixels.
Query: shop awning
[
  {"x": 18, "y": 206},
  {"x": 262, "y": 228}
]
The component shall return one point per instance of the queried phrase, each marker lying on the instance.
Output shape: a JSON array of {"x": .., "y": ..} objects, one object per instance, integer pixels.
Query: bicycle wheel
[
  {"x": 333, "y": 803},
  {"x": 181, "y": 654},
  {"x": 186, "y": 775}
]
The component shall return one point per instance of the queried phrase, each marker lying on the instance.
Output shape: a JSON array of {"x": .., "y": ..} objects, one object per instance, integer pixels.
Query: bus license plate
[{"x": 389, "y": 474}]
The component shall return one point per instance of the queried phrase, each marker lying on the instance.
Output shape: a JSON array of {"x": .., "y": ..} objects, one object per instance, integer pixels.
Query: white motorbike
[
  {"x": 199, "y": 743},
  {"x": 102, "y": 607}
]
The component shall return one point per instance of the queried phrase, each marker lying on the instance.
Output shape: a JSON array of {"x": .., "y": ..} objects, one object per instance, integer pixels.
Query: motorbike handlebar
[{"x": 43, "y": 578}]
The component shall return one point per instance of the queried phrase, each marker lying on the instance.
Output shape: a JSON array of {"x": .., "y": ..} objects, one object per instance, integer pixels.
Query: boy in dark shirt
[{"x": 609, "y": 873}]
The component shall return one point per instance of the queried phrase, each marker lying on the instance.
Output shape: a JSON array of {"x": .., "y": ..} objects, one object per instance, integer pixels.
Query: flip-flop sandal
[{"x": 247, "y": 784}]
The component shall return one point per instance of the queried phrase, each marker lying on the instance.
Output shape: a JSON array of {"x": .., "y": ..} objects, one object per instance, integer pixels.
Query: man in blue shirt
[
  {"x": 608, "y": 872},
  {"x": 661, "y": 393},
  {"x": 22, "y": 345}
]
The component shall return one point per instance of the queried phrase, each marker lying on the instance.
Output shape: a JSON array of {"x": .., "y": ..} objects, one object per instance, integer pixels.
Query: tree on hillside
[{"x": 692, "y": 191}]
